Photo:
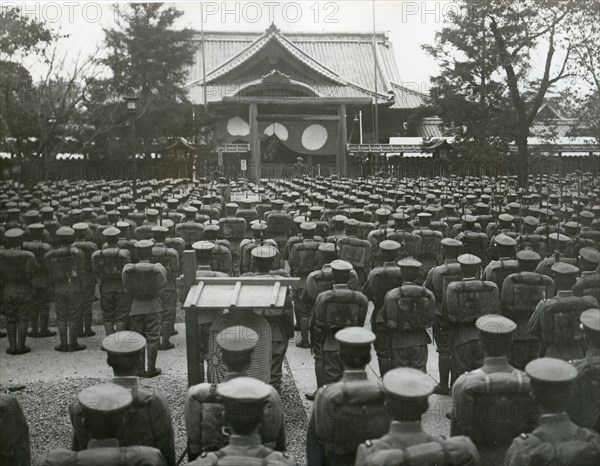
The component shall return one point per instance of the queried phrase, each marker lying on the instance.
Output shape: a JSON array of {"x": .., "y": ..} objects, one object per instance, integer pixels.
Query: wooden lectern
[{"x": 209, "y": 298}]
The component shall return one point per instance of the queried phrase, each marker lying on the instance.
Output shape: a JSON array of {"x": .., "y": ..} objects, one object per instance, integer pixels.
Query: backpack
[
  {"x": 304, "y": 258},
  {"x": 560, "y": 321},
  {"x": 143, "y": 232},
  {"x": 279, "y": 224},
  {"x": 499, "y": 408},
  {"x": 259, "y": 459},
  {"x": 109, "y": 263},
  {"x": 474, "y": 243},
  {"x": 536, "y": 243},
  {"x": 337, "y": 309},
  {"x": 588, "y": 285},
  {"x": 213, "y": 437},
  {"x": 579, "y": 451},
  {"x": 455, "y": 451},
  {"x": 410, "y": 306},
  {"x": 466, "y": 301},
  {"x": 502, "y": 270},
  {"x": 233, "y": 228},
  {"x": 411, "y": 244},
  {"x": 359, "y": 415},
  {"x": 356, "y": 251},
  {"x": 221, "y": 259},
  {"x": 384, "y": 279},
  {"x": 167, "y": 258},
  {"x": 66, "y": 263},
  {"x": 17, "y": 265},
  {"x": 143, "y": 280},
  {"x": 528, "y": 289},
  {"x": 431, "y": 243},
  {"x": 190, "y": 232}
]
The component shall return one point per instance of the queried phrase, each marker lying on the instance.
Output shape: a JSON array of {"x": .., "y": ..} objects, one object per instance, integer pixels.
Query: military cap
[
  {"x": 504, "y": 240},
  {"x": 341, "y": 265},
  {"x": 339, "y": 218},
  {"x": 494, "y": 324},
  {"x": 65, "y": 231},
  {"x": 209, "y": 226},
  {"x": 263, "y": 252},
  {"x": 551, "y": 371},
  {"x": 327, "y": 247},
  {"x": 123, "y": 225},
  {"x": 190, "y": 210},
  {"x": 81, "y": 226},
  {"x": 424, "y": 215},
  {"x": 468, "y": 259},
  {"x": 531, "y": 221},
  {"x": 46, "y": 210},
  {"x": 231, "y": 205},
  {"x": 562, "y": 268},
  {"x": 590, "y": 320},
  {"x": 172, "y": 201},
  {"x": 13, "y": 233},
  {"x": 152, "y": 213},
  {"x": 408, "y": 384},
  {"x": 389, "y": 245},
  {"x": 506, "y": 218},
  {"x": 351, "y": 222},
  {"x": 586, "y": 214},
  {"x": 111, "y": 232},
  {"x": 355, "y": 336},
  {"x": 123, "y": 342},
  {"x": 451, "y": 243},
  {"x": 383, "y": 212},
  {"x": 587, "y": 254},
  {"x": 278, "y": 202},
  {"x": 527, "y": 255},
  {"x": 31, "y": 214},
  {"x": 245, "y": 390},
  {"x": 140, "y": 201},
  {"x": 409, "y": 262},
  {"x": 258, "y": 226},
  {"x": 204, "y": 246},
  {"x": 167, "y": 223},
  {"x": 105, "y": 398},
  {"x": 144, "y": 244},
  {"x": 237, "y": 339},
  {"x": 558, "y": 237},
  {"x": 160, "y": 229},
  {"x": 308, "y": 226},
  {"x": 469, "y": 218},
  {"x": 36, "y": 226},
  {"x": 572, "y": 225}
]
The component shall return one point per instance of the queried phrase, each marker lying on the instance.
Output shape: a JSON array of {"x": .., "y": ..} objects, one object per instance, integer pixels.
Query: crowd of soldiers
[{"x": 505, "y": 281}]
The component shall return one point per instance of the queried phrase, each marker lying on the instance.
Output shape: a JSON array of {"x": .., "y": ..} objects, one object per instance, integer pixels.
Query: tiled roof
[
  {"x": 345, "y": 58},
  {"x": 430, "y": 127}
]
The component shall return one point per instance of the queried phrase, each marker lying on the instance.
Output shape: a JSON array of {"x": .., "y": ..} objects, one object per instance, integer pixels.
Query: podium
[{"x": 208, "y": 299}]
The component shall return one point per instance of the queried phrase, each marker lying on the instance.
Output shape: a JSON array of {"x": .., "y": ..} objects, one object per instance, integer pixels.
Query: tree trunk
[{"x": 523, "y": 158}]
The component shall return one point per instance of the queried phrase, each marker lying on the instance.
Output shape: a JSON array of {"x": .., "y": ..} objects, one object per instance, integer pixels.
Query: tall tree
[
  {"x": 495, "y": 59},
  {"x": 146, "y": 53}
]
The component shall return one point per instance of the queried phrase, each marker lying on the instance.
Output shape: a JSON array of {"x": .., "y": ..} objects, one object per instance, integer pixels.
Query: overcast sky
[{"x": 409, "y": 23}]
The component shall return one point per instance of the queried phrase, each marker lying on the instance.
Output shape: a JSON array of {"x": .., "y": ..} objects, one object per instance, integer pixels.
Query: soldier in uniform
[
  {"x": 558, "y": 242},
  {"x": 557, "y": 440},
  {"x": 147, "y": 421},
  {"x": 66, "y": 264},
  {"x": 145, "y": 282},
  {"x": 104, "y": 413},
  {"x": 282, "y": 324},
  {"x": 521, "y": 293},
  {"x": 556, "y": 321},
  {"x": 14, "y": 433},
  {"x": 203, "y": 421},
  {"x": 464, "y": 302},
  {"x": 335, "y": 309},
  {"x": 348, "y": 412},
  {"x": 496, "y": 388},
  {"x": 408, "y": 310},
  {"x": 406, "y": 392},
  {"x": 107, "y": 264},
  {"x": 82, "y": 232},
  {"x": 379, "y": 282},
  {"x": 42, "y": 291},
  {"x": 169, "y": 258},
  {"x": 584, "y": 405},
  {"x": 244, "y": 400},
  {"x": 19, "y": 267},
  {"x": 497, "y": 270},
  {"x": 588, "y": 284},
  {"x": 437, "y": 280}
]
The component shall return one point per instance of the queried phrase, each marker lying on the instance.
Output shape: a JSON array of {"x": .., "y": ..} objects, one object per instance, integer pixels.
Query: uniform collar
[
  {"x": 244, "y": 440},
  {"x": 126, "y": 381},
  {"x": 103, "y": 443},
  {"x": 450, "y": 261},
  {"x": 350, "y": 375},
  {"x": 586, "y": 273},
  {"x": 496, "y": 363},
  {"x": 204, "y": 268},
  {"x": 553, "y": 419},
  {"x": 390, "y": 264},
  {"x": 469, "y": 279},
  {"x": 400, "y": 427},
  {"x": 592, "y": 353},
  {"x": 159, "y": 245},
  {"x": 340, "y": 286},
  {"x": 564, "y": 294}
]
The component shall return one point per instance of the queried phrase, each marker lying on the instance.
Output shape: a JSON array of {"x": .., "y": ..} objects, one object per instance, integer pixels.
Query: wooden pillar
[
  {"x": 340, "y": 156},
  {"x": 195, "y": 365},
  {"x": 254, "y": 165}
]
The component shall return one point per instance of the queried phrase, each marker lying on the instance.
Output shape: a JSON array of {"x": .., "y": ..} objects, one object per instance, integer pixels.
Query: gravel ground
[{"x": 46, "y": 411}]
